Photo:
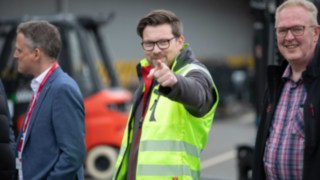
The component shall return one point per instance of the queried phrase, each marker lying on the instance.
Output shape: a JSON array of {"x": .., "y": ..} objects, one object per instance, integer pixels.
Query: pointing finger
[
  {"x": 158, "y": 64},
  {"x": 151, "y": 73}
]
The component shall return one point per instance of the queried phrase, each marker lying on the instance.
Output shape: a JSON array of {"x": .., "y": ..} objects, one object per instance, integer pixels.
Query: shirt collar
[
  {"x": 35, "y": 83},
  {"x": 287, "y": 74}
]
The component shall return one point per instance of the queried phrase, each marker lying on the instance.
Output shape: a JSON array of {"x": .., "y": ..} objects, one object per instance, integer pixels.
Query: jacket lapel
[{"x": 40, "y": 100}]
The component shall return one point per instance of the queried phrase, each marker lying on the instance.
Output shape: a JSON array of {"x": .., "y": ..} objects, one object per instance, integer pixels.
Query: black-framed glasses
[
  {"x": 162, "y": 44},
  {"x": 295, "y": 30}
]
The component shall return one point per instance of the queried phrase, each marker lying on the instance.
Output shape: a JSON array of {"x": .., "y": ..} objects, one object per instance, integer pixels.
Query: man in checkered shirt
[{"x": 288, "y": 139}]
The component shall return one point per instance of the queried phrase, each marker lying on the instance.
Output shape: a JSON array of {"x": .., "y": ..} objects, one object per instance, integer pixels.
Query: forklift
[{"x": 84, "y": 56}]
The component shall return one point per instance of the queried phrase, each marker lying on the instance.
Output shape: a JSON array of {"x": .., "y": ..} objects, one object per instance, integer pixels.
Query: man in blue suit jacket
[{"x": 50, "y": 144}]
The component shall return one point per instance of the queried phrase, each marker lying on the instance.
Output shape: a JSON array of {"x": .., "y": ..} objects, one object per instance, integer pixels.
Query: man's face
[
  {"x": 296, "y": 45},
  {"x": 162, "y": 33},
  {"x": 24, "y": 55}
]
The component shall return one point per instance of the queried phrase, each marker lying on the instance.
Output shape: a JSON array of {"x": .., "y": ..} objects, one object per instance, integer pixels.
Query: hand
[{"x": 163, "y": 75}]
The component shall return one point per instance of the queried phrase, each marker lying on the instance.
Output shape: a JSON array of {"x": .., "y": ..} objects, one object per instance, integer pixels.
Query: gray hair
[
  {"x": 43, "y": 35},
  {"x": 309, "y": 6}
]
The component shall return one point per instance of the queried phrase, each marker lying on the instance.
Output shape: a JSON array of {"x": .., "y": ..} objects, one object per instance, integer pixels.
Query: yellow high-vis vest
[{"x": 171, "y": 138}]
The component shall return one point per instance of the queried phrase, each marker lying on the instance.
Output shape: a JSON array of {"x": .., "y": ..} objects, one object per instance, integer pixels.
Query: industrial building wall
[{"x": 215, "y": 29}]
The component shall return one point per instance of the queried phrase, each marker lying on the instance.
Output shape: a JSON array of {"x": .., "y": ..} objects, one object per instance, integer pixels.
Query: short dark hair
[
  {"x": 159, "y": 17},
  {"x": 43, "y": 35}
]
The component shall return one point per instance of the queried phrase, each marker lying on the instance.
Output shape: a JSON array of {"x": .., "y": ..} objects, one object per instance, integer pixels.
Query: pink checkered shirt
[{"x": 283, "y": 156}]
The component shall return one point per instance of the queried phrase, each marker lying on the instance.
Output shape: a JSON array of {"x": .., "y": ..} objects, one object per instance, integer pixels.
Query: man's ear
[
  {"x": 317, "y": 33},
  {"x": 37, "y": 53},
  {"x": 181, "y": 40}
]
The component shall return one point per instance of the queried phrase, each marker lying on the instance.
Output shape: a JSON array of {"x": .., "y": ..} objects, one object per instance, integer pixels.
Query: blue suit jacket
[{"x": 54, "y": 145}]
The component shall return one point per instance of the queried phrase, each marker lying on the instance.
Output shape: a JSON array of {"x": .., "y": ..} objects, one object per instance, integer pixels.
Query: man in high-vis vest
[{"x": 173, "y": 107}]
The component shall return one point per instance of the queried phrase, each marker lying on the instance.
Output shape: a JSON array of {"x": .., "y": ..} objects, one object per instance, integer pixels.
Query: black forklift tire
[{"x": 100, "y": 162}]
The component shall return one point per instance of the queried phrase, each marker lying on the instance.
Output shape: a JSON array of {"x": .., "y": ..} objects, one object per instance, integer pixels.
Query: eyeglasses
[
  {"x": 295, "y": 30},
  {"x": 162, "y": 44}
]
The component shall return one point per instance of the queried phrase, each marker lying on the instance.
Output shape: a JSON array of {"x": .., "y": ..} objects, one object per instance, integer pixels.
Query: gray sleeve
[{"x": 195, "y": 91}]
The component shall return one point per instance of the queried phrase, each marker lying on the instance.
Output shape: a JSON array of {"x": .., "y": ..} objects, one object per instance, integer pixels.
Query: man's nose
[
  {"x": 156, "y": 49},
  {"x": 15, "y": 55},
  {"x": 289, "y": 35}
]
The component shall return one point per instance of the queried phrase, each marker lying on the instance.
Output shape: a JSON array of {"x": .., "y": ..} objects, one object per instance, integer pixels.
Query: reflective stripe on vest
[
  {"x": 189, "y": 67},
  {"x": 168, "y": 145}
]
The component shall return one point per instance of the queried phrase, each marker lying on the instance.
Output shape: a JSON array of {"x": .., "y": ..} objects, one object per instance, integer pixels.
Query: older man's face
[{"x": 297, "y": 45}]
